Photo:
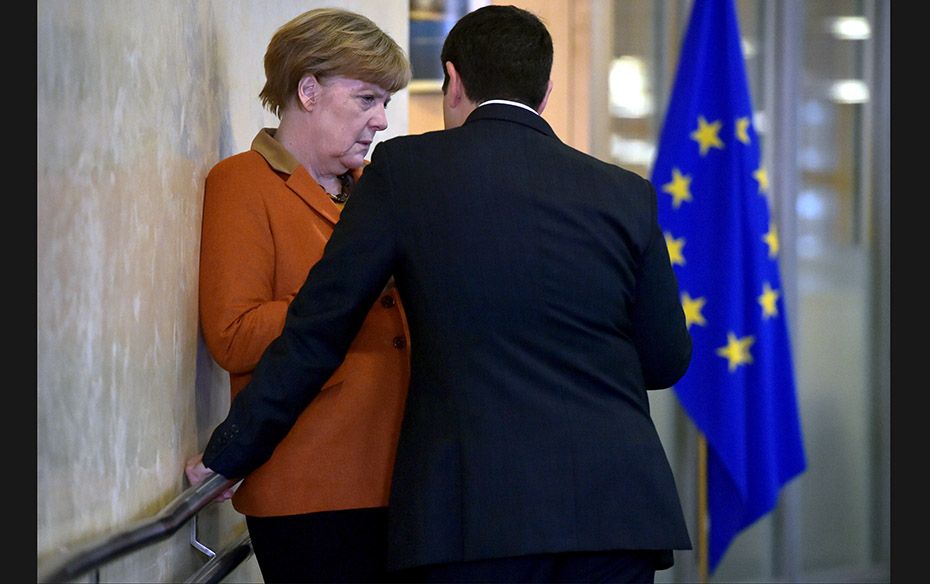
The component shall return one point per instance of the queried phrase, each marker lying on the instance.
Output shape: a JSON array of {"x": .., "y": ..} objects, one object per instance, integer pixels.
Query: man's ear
[
  {"x": 542, "y": 104},
  {"x": 308, "y": 90},
  {"x": 455, "y": 92}
]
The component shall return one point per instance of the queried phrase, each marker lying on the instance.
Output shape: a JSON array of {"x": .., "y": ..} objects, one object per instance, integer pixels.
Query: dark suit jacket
[{"x": 542, "y": 306}]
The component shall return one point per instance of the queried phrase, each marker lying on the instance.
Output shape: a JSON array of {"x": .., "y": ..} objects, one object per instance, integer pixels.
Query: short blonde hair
[{"x": 326, "y": 42}]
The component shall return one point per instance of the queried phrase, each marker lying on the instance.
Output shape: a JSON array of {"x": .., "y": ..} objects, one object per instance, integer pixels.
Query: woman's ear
[{"x": 308, "y": 90}]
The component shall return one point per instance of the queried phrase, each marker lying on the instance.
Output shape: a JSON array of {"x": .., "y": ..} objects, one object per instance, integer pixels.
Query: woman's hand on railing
[{"x": 196, "y": 473}]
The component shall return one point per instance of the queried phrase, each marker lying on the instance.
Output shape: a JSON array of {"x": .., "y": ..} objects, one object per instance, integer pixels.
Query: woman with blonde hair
[{"x": 316, "y": 509}]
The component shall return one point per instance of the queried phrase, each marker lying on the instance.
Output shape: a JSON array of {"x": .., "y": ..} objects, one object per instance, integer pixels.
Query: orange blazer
[{"x": 265, "y": 223}]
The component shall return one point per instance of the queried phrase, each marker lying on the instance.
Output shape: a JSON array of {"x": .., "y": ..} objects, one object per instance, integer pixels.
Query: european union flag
[{"x": 714, "y": 209}]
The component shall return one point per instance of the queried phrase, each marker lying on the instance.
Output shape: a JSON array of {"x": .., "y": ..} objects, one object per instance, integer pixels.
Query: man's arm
[
  {"x": 660, "y": 330},
  {"x": 321, "y": 323}
]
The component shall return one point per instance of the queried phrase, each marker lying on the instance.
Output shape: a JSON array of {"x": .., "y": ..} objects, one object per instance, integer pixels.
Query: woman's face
[{"x": 349, "y": 114}]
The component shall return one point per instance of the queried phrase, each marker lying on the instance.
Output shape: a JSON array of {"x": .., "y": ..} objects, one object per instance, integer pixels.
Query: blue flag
[{"x": 714, "y": 211}]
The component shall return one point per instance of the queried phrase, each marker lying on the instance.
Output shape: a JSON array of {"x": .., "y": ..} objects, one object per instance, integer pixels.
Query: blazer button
[
  {"x": 387, "y": 301},
  {"x": 400, "y": 342}
]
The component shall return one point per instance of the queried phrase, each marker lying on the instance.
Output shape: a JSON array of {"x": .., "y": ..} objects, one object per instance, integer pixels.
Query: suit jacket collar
[
  {"x": 511, "y": 113},
  {"x": 298, "y": 179}
]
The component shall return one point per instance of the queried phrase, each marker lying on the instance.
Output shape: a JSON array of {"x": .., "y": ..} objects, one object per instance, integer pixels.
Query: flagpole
[{"x": 702, "y": 507}]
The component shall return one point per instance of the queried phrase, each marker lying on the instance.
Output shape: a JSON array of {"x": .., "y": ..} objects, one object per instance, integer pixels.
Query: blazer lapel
[
  {"x": 313, "y": 194},
  {"x": 298, "y": 180}
]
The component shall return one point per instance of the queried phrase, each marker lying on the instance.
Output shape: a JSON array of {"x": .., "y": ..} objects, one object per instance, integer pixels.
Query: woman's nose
[{"x": 379, "y": 118}]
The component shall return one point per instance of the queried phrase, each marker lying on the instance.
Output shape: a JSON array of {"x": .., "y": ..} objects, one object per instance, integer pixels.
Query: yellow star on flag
[
  {"x": 692, "y": 308},
  {"x": 706, "y": 135},
  {"x": 679, "y": 188},
  {"x": 762, "y": 178},
  {"x": 675, "y": 247},
  {"x": 771, "y": 240},
  {"x": 742, "y": 129},
  {"x": 736, "y": 350},
  {"x": 768, "y": 300}
]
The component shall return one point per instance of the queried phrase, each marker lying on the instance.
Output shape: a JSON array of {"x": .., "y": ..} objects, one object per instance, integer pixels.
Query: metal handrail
[
  {"x": 160, "y": 527},
  {"x": 223, "y": 563}
]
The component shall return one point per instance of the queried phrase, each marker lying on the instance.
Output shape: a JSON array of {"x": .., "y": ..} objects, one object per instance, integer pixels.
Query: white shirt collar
[{"x": 508, "y": 102}]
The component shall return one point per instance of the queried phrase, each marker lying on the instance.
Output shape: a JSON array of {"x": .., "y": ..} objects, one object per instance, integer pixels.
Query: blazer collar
[
  {"x": 511, "y": 113},
  {"x": 298, "y": 179}
]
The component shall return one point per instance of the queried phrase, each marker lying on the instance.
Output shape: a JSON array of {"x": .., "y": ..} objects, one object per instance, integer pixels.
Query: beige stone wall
[{"x": 135, "y": 102}]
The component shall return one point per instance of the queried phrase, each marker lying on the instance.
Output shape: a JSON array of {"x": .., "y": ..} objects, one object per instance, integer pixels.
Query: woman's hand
[{"x": 196, "y": 473}]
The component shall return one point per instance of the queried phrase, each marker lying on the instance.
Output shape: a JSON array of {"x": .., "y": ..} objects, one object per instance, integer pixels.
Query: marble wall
[{"x": 135, "y": 102}]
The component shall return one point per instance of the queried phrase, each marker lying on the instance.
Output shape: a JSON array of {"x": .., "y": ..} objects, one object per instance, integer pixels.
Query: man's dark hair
[{"x": 500, "y": 52}]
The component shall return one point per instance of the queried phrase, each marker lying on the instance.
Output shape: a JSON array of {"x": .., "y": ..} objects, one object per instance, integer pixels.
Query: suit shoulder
[
  {"x": 412, "y": 140},
  {"x": 613, "y": 172},
  {"x": 243, "y": 176},
  {"x": 243, "y": 163},
  {"x": 422, "y": 149},
  {"x": 242, "y": 173}
]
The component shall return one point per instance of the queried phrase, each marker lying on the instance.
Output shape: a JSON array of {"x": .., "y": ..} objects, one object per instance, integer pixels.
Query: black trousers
[
  {"x": 633, "y": 566},
  {"x": 329, "y": 546}
]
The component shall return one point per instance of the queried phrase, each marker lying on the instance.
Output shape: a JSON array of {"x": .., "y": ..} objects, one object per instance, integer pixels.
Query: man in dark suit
[{"x": 542, "y": 306}]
